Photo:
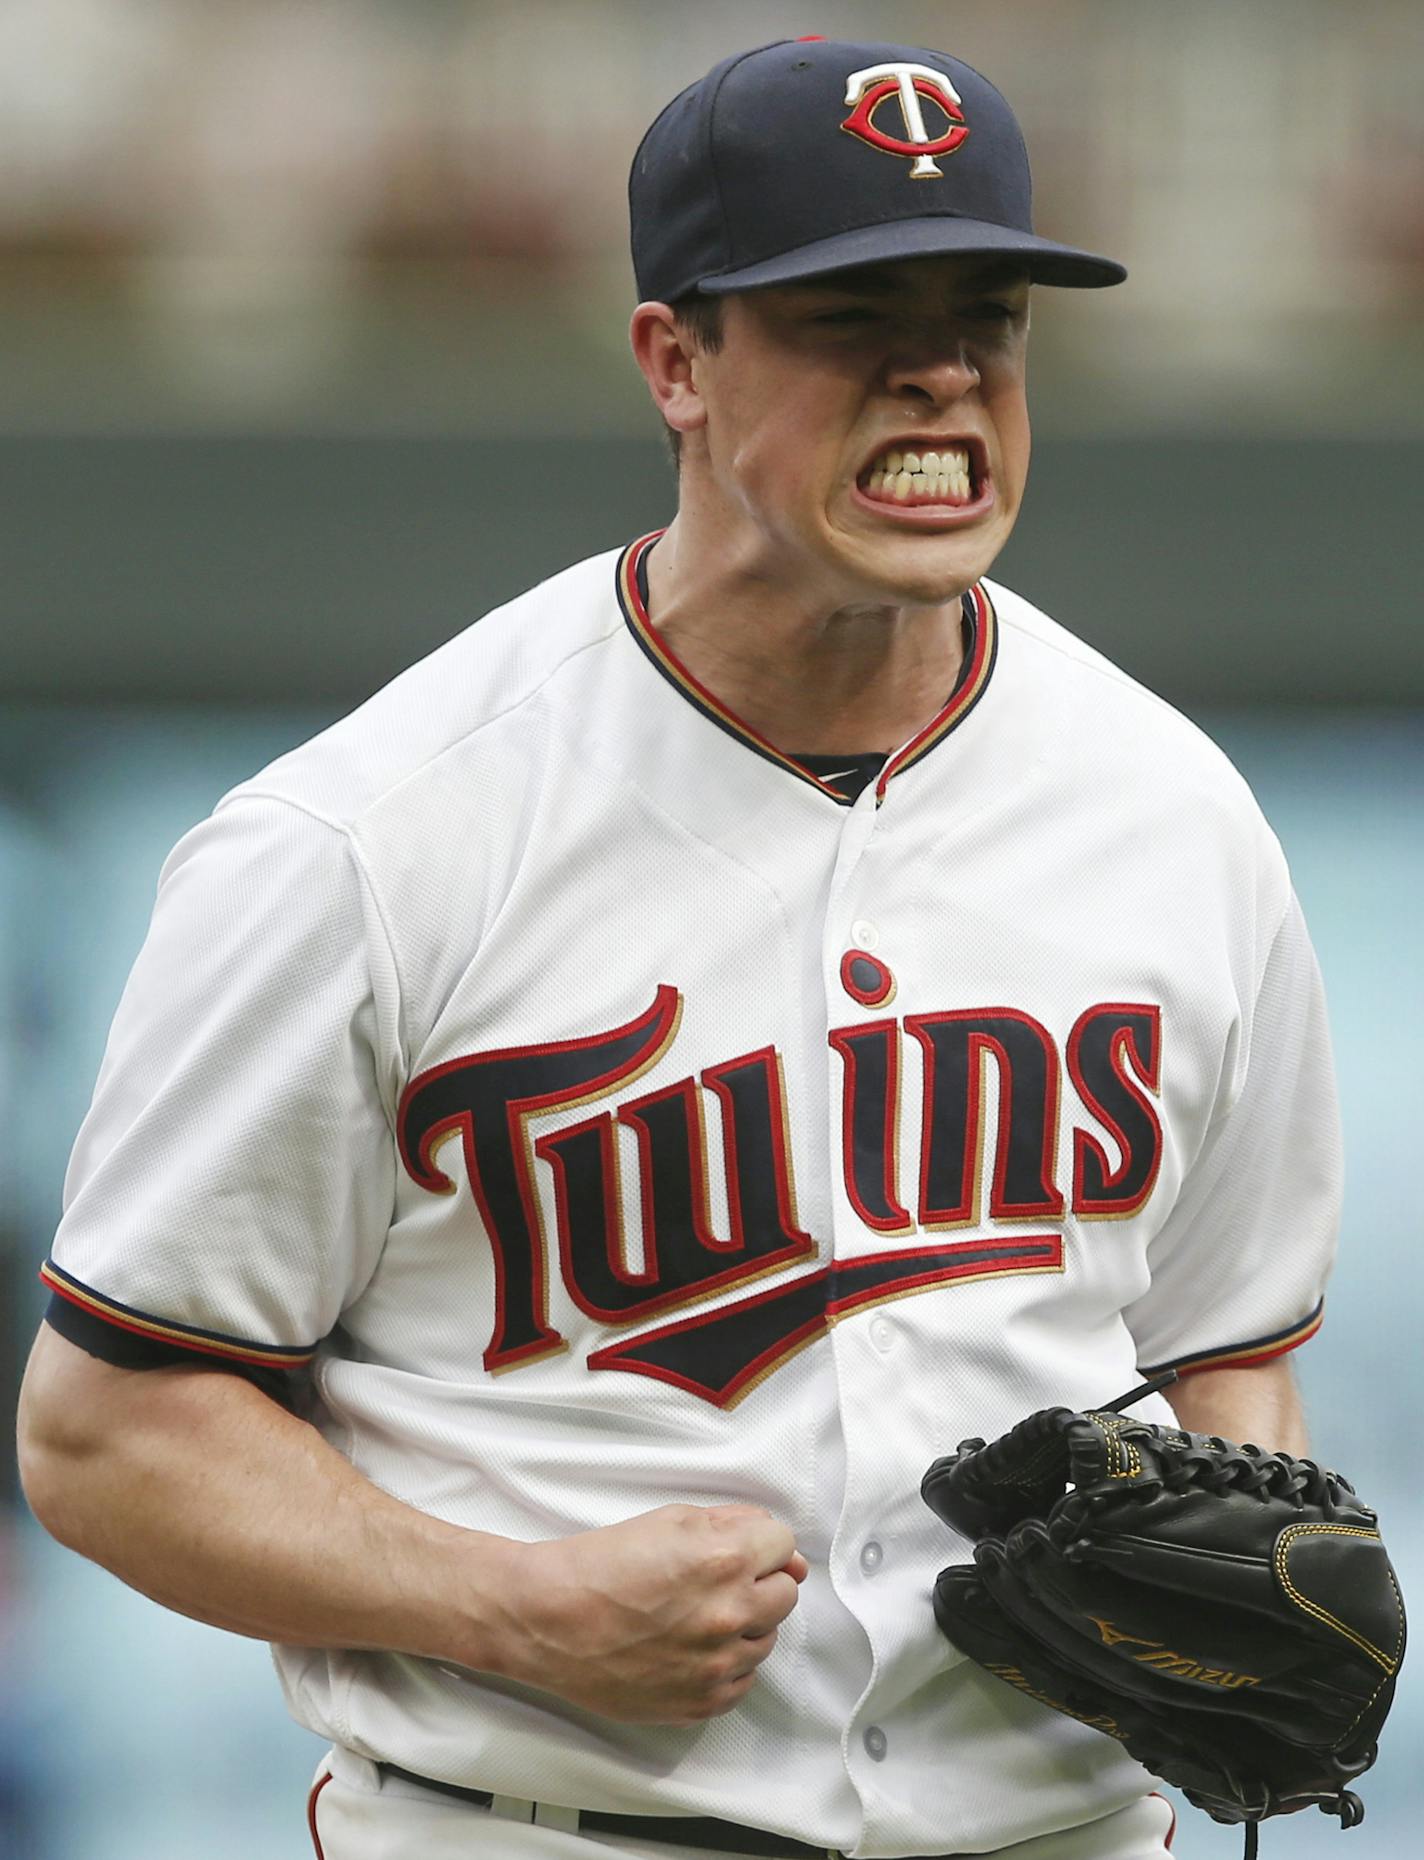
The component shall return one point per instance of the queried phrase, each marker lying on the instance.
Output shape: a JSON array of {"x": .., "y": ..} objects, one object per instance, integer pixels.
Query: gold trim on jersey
[
  {"x": 973, "y": 680},
  {"x": 157, "y": 1330},
  {"x": 1245, "y": 1355}
]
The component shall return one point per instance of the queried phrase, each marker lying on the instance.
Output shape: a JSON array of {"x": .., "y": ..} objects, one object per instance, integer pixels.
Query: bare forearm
[
  {"x": 1261, "y": 1405},
  {"x": 216, "y": 1502},
  {"x": 195, "y": 1488}
]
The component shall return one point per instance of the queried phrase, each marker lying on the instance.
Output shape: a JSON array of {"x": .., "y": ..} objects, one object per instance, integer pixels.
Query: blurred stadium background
[{"x": 312, "y": 348}]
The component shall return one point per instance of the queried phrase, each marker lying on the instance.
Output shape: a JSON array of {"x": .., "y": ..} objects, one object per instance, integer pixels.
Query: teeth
[
  {"x": 942, "y": 476},
  {"x": 931, "y": 463}
]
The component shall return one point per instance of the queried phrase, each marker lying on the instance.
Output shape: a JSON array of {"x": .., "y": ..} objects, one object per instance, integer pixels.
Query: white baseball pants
[{"x": 355, "y": 1814}]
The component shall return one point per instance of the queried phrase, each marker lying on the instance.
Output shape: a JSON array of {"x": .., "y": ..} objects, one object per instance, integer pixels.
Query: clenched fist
[{"x": 663, "y": 1619}]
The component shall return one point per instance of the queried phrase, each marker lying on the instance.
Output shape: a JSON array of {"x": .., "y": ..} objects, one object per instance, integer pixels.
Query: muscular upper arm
[
  {"x": 73, "y": 1405},
  {"x": 1261, "y": 1404}
]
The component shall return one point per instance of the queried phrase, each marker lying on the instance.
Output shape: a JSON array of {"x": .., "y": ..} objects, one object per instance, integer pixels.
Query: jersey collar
[{"x": 973, "y": 680}]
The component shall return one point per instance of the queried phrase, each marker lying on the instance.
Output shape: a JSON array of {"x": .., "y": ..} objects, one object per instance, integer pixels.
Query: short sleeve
[
  {"x": 231, "y": 1187},
  {"x": 1240, "y": 1265}
]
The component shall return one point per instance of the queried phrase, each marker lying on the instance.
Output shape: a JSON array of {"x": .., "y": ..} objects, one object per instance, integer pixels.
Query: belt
[{"x": 727, "y": 1837}]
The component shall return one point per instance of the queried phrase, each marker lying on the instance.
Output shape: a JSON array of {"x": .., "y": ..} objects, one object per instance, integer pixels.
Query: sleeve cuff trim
[
  {"x": 1244, "y": 1355},
  {"x": 161, "y": 1330}
]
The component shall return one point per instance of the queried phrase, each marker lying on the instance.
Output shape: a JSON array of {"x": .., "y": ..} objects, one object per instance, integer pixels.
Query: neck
[{"x": 813, "y": 677}]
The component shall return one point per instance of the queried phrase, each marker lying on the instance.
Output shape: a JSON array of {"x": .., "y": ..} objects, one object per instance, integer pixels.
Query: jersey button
[
  {"x": 871, "y": 1557},
  {"x": 874, "y": 1741},
  {"x": 863, "y": 933},
  {"x": 882, "y": 1333}
]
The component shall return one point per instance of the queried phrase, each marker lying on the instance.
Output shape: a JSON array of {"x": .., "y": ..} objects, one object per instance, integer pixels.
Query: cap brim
[{"x": 938, "y": 235}]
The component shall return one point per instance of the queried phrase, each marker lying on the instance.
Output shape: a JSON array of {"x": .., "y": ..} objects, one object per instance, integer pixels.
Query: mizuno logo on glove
[{"x": 1174, "y": 1665}]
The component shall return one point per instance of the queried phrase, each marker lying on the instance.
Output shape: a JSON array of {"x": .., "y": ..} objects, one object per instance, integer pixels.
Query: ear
[{"x": 669, "y": 362}]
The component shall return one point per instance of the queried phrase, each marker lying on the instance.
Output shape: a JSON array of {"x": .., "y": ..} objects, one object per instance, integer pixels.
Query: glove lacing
[
  {"x": 1347, "y": 1805},
  {"x": 1246, "y": 1468},
  {"x": 1224, "y": 1467}
]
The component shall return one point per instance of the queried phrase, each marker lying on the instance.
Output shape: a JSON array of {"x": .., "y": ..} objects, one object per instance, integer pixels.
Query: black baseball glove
[{"x": 1229, "y": 1615}]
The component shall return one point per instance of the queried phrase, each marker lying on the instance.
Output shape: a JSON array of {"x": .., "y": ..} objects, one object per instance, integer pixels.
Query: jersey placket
[{"x": 863, "y": 1548}]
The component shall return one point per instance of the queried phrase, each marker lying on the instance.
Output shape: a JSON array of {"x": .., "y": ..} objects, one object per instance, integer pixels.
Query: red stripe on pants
[{"x": 317, "y": 1788}]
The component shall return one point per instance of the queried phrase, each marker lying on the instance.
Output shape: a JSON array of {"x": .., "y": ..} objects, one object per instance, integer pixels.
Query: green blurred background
[{"x": 312, "y": 348}]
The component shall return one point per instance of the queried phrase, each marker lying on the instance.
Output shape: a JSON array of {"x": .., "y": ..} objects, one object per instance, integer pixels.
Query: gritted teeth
[{"x": 937, "y": 477}]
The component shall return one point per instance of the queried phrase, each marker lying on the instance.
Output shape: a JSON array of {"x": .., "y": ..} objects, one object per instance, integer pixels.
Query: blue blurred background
[{"x": 312, "y": 348}]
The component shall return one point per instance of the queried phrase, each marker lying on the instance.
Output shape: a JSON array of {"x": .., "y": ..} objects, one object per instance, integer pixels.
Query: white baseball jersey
[{"x": 614, "y": 1114}]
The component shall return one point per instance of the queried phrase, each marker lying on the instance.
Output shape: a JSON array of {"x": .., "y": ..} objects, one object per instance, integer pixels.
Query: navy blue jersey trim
[
  {"x": 631, "y": 598},
  {"x": 168, "y": 1330},
  {"x": 104, "y": 1341},
  {"x": 851, "y": 775},
  {"x": 1244, "y": 1355},
  {"x": 981, "y": 646}
]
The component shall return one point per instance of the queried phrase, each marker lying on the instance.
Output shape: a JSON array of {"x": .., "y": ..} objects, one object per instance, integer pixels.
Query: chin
[
  {"x": 930, "y": 571},
  {"x": 928, "y": 564}
]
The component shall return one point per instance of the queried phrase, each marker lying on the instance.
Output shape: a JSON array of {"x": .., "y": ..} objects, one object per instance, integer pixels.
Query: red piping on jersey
[
  {"x": 1137, "y": 1075},
  {"x": 967, "y": 693},
  {"x": 834, "y": 1307},
  {"x": 317, "y": 1788},
  {"x": 982, "y": 1041},
  {"x": 1246, "y": 1355},
  {"x": 673, "y": 668},
  {"x": 122, "y": 1318},
  {"x": 656, "y": 1029},
  {"x": 896, "y": 1219}
]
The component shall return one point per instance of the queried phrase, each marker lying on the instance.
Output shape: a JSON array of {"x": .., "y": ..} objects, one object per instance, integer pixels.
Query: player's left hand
[{"x": 1229, "y": 1615}]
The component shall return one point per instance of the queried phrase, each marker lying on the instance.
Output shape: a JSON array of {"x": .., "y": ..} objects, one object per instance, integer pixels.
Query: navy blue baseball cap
[{"x": 811, "y": 156}]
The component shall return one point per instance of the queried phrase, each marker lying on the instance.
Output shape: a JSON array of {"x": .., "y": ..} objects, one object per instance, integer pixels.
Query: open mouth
[{"x": 946, "y": 477}]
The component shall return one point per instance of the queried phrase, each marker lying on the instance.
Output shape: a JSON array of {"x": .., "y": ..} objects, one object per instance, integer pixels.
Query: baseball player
[{"x": 585, "y": 1131}]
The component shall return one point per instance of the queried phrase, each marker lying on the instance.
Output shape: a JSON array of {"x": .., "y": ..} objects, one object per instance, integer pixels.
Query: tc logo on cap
[{"x": 866, "y": 90}]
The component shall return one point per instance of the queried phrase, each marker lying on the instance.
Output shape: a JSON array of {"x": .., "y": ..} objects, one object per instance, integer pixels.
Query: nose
[{"x": 937, "y": 370}]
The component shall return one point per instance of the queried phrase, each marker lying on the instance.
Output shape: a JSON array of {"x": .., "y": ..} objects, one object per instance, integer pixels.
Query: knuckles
[
  {"x": 725, "y": 1565},
  {"x": 672, "y": 1611},
  {"x": 724, "y": 1624}
]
